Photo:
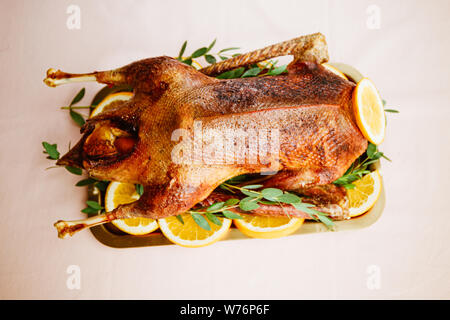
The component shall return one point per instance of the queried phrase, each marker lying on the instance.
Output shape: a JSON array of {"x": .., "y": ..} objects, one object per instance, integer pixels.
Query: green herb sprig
[
  {"x": 139, "y": 189},
  {"x": 93, "y": 207},
  {"x": 76, "y": 117}
]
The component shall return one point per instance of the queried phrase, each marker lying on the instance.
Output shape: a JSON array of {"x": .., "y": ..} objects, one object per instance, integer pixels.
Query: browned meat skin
[{"x": 310, "y": 107}]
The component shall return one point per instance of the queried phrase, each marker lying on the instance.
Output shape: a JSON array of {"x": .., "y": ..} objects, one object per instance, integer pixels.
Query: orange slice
[{"x": 109, "y": 101}]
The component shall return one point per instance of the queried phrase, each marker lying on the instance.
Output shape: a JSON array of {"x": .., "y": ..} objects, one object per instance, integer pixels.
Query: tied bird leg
[{"x": 309, "y": 48}]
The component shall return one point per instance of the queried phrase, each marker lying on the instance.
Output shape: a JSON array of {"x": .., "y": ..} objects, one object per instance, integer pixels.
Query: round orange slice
[
  {"x": 365, "y": 194},
  {"x": 369, "y": 111}
]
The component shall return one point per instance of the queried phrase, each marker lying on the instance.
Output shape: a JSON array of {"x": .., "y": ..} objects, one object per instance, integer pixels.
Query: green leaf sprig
[
  {"x": 359, "y": 168},
  {"x": 73, "y": 170},
  {"x": 267, "y": 196},
  {"x": 53, "y": 154},
  {"x": 99, "y": 184}
]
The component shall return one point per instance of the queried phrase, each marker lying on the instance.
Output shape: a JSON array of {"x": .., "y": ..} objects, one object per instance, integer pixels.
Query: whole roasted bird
[{"x": 184, "y": 132}]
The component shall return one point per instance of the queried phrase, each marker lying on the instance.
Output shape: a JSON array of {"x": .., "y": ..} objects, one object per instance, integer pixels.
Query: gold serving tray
[{"x": 110, "y": 236}]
